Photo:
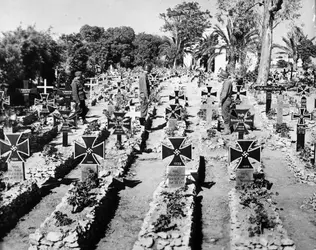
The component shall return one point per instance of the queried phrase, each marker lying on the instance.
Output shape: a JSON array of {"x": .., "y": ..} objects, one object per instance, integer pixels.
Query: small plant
[
  {"x": 271, "y": 114},
  {"x": 211, "y": 133},
  {"x": 94, "y": 101},
  {"x": 62, "y": 219},
  {"x": 202, "y": 114},
  {"x": 306, "y": 154},
  {"x": 79, "y": 196},
  {"x": 282, "y": 129}
]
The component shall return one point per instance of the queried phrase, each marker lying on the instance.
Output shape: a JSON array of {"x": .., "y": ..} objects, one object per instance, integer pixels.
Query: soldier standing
[
  {"x": 226, "y": 102},
  {"x": 79, "y": 96}
]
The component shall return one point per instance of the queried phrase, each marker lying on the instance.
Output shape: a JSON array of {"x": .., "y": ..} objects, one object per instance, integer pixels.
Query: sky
[{"x": 67, "y": 16}]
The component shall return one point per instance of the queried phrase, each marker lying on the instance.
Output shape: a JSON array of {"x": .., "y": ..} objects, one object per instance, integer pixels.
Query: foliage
[
  {"x": 79, "y": 195},
  {"x": 282, "y": 64},
  {"x": 306, "y": 154},
  {"x": 51, "y": 153},
  {"x": 28, "y": 54},
  {"x": 62, "y": 219},
  {"x": 186, "y": 22},
  {"x": 146, "y": 49},
  {"x": 282, "y": 129}
]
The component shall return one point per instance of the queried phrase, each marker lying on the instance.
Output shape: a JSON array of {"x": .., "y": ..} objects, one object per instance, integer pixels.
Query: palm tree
[
  {"x": 205, "y": 49},
  {"x": 291, "y": 46},
  {"x": 236, "y": 43}
]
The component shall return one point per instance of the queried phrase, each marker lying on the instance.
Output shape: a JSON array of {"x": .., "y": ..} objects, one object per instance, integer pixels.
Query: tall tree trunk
[{"x": 270, "y": 8}]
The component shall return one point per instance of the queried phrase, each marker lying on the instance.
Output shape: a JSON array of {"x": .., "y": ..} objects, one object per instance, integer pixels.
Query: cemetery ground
[{"x": 220, "y": 219}]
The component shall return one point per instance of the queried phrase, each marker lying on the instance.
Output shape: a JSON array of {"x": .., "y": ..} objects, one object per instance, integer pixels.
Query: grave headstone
[
  {"x": 269, "y": 89},
  {"x": 301, "y": 127},
  {"x": 303, "y": 90},
  {"x": 238, "y": 92},
  {"x": 26, "y": 91},
  {"x": 173, "y": 114},
  {"x": 176, "y": 97},
  {"x": 119, "y": 122},
  {"x": 239, "y": 119},
  {"x": 89, "y": 151},
  {"x": 176, "y": 168},
  {"x": 244, "y": 168},
  {"x": 14, "y": 148}
]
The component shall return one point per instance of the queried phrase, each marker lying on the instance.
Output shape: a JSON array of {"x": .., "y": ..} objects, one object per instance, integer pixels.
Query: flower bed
[
  {"x": 22, "y": 196},
  {"x": 64, "y": 229}
]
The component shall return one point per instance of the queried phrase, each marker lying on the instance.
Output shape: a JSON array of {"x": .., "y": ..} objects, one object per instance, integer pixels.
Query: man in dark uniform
[
  {"x": 79, "y": 96},
  {"x": 144, "y": 93},
  {"x": 226, "y": 102}
]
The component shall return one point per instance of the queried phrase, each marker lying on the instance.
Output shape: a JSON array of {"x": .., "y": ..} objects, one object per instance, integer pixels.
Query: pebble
[
  {"x": 287, "y": 242},
  {"x": 147, "y": 242},
  {"x": 54, "y": 236}
]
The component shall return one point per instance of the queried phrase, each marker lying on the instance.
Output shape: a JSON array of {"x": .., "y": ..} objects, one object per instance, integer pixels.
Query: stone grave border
[
  {"x": 239, "y": 224},
  {"x": 147, "y": 238},
  {"x": 87, "y": 228},
  {"x": 25, "y": 195},
  {"x": 295, "y": 164}
]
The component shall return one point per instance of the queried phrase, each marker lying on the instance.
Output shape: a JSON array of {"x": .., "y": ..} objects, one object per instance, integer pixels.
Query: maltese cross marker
[{"x": 177, "y": 151}]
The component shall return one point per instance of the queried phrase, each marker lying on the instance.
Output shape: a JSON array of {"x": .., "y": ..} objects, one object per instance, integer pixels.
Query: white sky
[{"x": 67, "y": 16}]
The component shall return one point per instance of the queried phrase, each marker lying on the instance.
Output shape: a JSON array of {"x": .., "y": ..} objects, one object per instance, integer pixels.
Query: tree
[
  {"x": 146, "y": 48},
  {"x": 235, "y": 43},
  {"x": 170, "y": 50},
  {"x": 275, "y": 11},
  {"x": 291, "y": 42},
  {"x": 186, "y": 22},
  {"x": 205, "y": 50},
  {"x": 28, "y": 53}
]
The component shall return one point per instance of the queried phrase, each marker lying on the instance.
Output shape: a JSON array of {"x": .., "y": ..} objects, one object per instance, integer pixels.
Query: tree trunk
[{"x": 266, "y": 45}]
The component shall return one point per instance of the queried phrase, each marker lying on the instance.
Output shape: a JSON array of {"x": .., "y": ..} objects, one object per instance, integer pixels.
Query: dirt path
[
  {"x": 300, "y": 224},
  {"x": 215, "y": 210},
  {"x": 18, "y": 237}
]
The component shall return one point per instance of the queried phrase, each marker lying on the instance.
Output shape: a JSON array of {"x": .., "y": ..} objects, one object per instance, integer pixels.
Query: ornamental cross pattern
[
  {"x": 177, "y": 151},
  {"x": 119, "y": 87},
  {"x": 14, "y": 147},
  {"x": 208, "y": 93},
  {"x": 119, "y": 123},
  {"x": 176, "y": 97},
  {"x": 68, "y": 122},
  {"x": 301, "y": 116},
  {"x": 303, "y": 90},
  {"x": 239, "y": 92},
  {"x": 243, "y": 153},
  {"x": 173, "y": 112},
  {"x": 45, "y": 102},
  {"x": 240, "y": 118},
  {"x": 89, "y": 150}
]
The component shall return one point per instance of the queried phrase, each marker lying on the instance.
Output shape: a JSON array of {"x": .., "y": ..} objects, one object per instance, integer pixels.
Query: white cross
[
  {"x": 45, "y": 87},
  {"x": 133, "y": 113},
  {"x": 91, "y": 84}
]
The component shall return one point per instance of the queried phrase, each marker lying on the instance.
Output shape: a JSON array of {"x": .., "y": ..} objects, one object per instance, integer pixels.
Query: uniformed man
[
  {"x": 79, "y": 96},
  {"x": 226, "y": 101},
  {"x": 144, "y": 93}
]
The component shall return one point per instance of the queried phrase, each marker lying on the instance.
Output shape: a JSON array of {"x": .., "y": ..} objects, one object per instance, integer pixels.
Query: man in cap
[
  {"x": 79, "y": 96},
  {"x": 226, "y": 101},
  {"x": 144, "y": 92}
]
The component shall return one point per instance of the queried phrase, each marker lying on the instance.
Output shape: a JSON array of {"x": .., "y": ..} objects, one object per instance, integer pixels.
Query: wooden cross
[
  {"x": 119, "y": 87},
  {"x": 91, "y": 84},
  {"x": 244, "y": 168},
  {"x": 208, "y": 93},
  {"x": 303, "y": 90},
  {"x": 176, "y": 97},
  {"x": 45, "y": 102},
  {"x": 239, "y": 118},
  {"x": 133, "y": 113},
  {"x": 177, "y": 151},
  {"x": 301, "y": 127},
  {"x": 89, "y": 151},
  {"x": 238, "y": 93},
  {"x": 269, "y": 89},
  {"x": 119, "y": 123},
  {"x": 67, "y": 123},
  {"x": 45, "y": 87}
]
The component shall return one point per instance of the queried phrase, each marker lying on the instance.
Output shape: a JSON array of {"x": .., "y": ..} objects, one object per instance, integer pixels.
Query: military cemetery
[{"x": 197, "y": 133}]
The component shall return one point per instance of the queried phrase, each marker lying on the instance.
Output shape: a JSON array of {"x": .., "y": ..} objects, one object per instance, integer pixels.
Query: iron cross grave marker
[
  {"x": 239, "y": 119},
  {"x": 301, "y": 127},
  {"x": 238, "y": 92},
  {"x": 178, "y": 151}
]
